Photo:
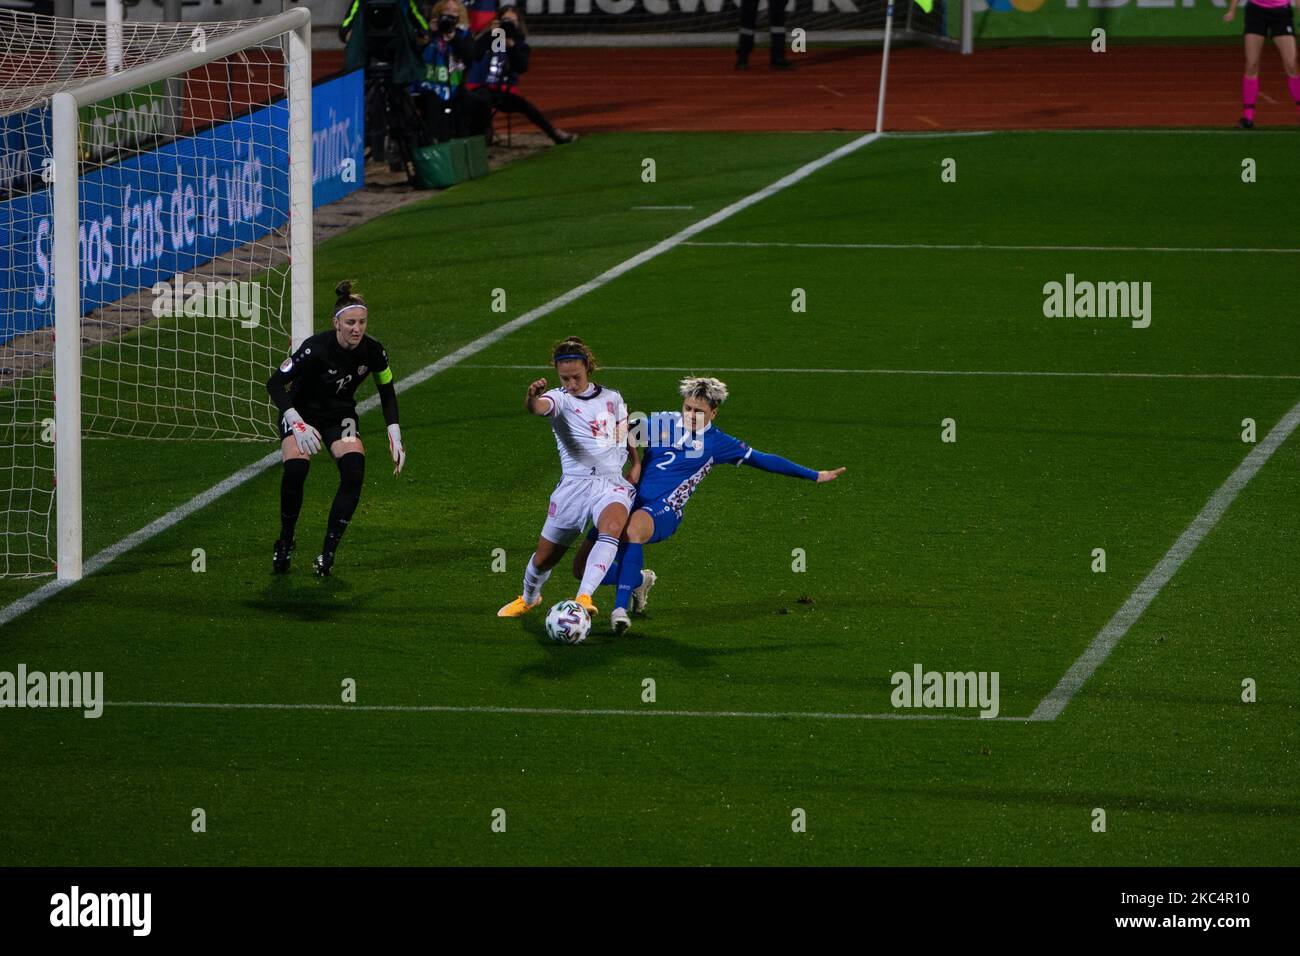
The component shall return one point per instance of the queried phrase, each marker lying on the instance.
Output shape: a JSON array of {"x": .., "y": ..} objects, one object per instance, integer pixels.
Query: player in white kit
[{"x": 591, "y": 433}]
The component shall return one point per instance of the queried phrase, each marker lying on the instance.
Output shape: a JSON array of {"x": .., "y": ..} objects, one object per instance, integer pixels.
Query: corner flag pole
[
  {"x": 928, "y": 7},
  {"x": 884, "y": 69}
]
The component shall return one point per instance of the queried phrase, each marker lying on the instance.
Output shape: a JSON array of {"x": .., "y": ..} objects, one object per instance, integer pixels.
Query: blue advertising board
[
  {"x": 338, "y": 137},
  {"x": 175, "y": 207}
]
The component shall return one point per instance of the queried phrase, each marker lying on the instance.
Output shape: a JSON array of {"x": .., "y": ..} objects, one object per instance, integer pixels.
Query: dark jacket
[
  {"x": 405, "y": 56},
  {"x": 499, "y": 71}
]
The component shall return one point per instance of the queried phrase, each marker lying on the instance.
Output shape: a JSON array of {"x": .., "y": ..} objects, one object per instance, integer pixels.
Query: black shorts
[
  {"x": 1270, "y": 21},
  {"x": 332, "y": 425}
]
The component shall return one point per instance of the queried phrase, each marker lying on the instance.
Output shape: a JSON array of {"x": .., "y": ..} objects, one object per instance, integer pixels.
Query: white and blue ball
[{"x": 568, "y": 623}]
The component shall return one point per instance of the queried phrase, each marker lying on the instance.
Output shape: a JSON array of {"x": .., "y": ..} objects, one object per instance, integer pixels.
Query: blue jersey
[{"x": 676, "y": 460}]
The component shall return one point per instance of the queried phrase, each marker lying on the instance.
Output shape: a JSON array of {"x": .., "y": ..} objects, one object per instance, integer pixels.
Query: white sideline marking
[
  {"x": 946, "y": 134},
  {"x": 663, "y": 207},
  {"x": 553, "y": 711},
  {"x": 916, "y": 371},
  {"x": 1170, "y": 131},
  {"x": 982, "y": 247},
  {"x": 155, "y": 527},
  {"x": 1051, "y": 706},
  {"x": 98, "y": 561}
]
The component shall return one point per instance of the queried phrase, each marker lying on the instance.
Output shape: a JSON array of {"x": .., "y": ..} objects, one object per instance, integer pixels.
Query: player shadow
[
  {"x": 302, "y": 595},
  {"x": 562, "y": 661},
  {"x": 454, "y": 558}
]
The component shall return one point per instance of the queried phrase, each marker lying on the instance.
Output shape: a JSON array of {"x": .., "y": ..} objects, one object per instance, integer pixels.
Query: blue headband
[{"x": 581, "y": 358}]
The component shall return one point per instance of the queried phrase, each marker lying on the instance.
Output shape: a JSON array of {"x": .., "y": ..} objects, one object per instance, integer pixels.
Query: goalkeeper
[{"x": 314, "y": 390}]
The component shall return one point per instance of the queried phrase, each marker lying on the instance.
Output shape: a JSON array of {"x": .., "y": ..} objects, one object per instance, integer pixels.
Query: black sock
[
  {"x": 292, "y": 480},
  {"x": 352, "y": 472},
  {"x": 777, "y": 50}
]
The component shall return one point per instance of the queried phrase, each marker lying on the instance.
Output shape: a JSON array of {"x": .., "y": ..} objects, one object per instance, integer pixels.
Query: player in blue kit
[{"x": 682, "y": 448}]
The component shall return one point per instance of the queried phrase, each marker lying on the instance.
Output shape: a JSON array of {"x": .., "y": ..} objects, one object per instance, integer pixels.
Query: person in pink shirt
[{"x": 1265, "y": 18}]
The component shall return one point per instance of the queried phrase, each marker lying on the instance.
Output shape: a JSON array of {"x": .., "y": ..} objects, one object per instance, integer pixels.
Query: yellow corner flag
[{"x": 926, "y": 5}]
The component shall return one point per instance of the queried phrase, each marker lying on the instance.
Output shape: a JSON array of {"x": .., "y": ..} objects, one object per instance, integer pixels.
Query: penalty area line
[
  {"x": 1051, "y": 706},
  {"x": 986, "y": 247},
  {"x": 916, "y": 371},
  {"x": 552, "y": 711},
  {"x": 178, "y": 514}
]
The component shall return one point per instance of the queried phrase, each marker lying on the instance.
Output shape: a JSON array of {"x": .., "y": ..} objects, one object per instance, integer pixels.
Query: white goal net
[{"x": 154, "y": 188}]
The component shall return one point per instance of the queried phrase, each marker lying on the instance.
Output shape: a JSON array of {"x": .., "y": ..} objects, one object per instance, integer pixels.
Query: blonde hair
[
  {"x": 441, "y": 5},
  {"x": 711, "y": 390}
]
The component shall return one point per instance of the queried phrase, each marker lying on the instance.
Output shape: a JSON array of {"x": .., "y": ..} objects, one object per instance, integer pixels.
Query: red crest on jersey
[
  {"x": 609, "y": 407},
  {"x": 550, "y": 512}
]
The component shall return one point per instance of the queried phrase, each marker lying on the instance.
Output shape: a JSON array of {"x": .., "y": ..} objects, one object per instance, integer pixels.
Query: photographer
[
  {"x": 493, "y": 78},
  {"x": 410, "y": 12},
  {"x": 383, "y": 38},
  {"x": 439, "y": 92}
]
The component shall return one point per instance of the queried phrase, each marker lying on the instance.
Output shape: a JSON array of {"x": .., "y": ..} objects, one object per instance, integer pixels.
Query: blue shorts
[{"x": 665, "y": 517}]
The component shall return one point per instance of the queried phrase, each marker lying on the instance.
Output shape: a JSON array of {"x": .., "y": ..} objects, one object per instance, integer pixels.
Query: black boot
[
  {"x": 282, "y": 556},
  {"x": 743, "y": 49},
  {"x": 323, "y": 564},
  {"x": 777, "y": 52}
]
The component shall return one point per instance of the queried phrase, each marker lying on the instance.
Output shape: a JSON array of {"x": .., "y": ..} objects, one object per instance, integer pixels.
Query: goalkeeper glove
[
  {"x": 307, "y": 438},
  {"x": 395, "y": 447}
]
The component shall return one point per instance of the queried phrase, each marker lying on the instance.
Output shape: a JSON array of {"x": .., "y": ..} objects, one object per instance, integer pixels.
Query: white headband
[{"x": 350, "y": 305}]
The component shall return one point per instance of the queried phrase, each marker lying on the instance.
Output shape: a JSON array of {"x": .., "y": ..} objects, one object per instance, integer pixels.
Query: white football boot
[
  {"x": 639, "y": 595},
  {"x": 619, "y": 620}
]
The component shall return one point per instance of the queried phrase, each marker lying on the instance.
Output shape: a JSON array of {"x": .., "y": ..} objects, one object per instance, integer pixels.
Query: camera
[
  {"x": 392, "y": 126},
  {"x": 382, "y": 29},
  {"x": 447, "y": 23}
]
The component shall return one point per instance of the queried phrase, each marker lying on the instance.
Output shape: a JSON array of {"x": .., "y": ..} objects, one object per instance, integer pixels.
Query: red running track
[{"x": 1044, "y": 87}]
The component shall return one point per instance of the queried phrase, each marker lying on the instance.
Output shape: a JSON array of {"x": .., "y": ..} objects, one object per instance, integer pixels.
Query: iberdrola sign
[{"x": 1121, "y": 19}]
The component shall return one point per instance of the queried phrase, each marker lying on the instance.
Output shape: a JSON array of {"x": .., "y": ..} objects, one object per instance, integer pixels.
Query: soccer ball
[{"x": 568, "y": 623}]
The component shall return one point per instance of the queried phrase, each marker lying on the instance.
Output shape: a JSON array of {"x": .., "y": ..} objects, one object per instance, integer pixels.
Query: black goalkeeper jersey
[{"x": 321, "y": 378}]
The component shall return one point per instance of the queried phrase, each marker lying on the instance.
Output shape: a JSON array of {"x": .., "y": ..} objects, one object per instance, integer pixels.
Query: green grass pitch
[{"x": 966, "y": 555}]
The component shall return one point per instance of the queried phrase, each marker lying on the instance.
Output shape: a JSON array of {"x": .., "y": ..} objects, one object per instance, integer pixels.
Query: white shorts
[{"x": 576, "y": 500}]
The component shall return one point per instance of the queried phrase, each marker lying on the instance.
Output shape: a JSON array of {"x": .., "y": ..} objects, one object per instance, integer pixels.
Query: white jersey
[{"x": 590, "y": 431}]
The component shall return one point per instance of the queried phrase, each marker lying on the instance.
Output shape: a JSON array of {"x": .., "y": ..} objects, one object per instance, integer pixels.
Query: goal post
[
  {"x": 67, "y": 338},
  {"x": 105, "y": 201}
]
